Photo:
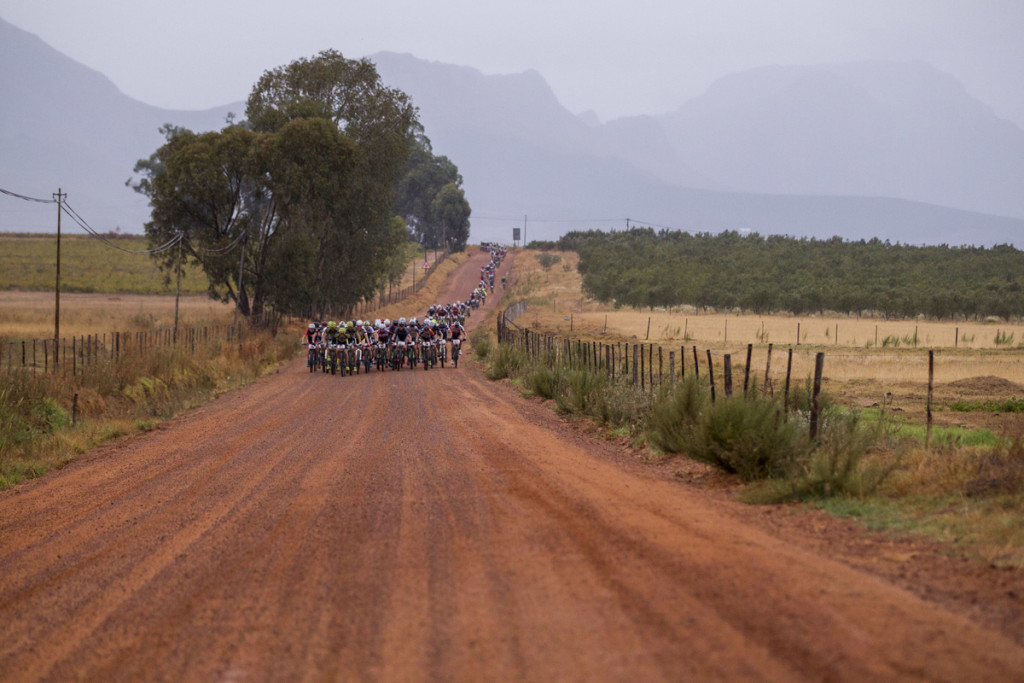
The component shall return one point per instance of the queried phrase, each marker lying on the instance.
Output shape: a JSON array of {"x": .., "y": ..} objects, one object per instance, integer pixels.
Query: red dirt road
[{"x": 420, "y": 525}]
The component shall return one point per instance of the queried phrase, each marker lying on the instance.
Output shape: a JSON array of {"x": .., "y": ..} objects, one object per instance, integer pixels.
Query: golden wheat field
[{"x": 30, "y": 315}]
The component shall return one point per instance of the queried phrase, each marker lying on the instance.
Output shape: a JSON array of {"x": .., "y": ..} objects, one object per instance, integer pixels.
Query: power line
[
  {"x": 229, "y": 247},
  {"x": 519, "y": 219},
  {"x": 27, "y": 199},
  {"x": 85, "y": 226}
]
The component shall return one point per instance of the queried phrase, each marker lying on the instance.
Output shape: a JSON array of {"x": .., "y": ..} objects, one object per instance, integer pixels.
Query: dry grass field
[
  {"x": 860, "y": 371},
  {"x": 30, "y": 315}
]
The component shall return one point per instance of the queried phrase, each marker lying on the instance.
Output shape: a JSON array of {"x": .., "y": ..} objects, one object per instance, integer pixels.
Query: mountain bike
[{"x": 456, "y": 346}]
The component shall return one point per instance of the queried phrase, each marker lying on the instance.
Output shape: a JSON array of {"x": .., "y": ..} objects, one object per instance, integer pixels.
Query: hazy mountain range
[{"x": 896, "y": 151}]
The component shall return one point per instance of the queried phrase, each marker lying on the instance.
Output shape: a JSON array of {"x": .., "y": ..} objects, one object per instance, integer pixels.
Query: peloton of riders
[{"x": 443, "y": 322}]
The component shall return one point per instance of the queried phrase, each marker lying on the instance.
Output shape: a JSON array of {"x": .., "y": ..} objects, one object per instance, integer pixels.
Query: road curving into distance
[{"x": 418, "y": 525}]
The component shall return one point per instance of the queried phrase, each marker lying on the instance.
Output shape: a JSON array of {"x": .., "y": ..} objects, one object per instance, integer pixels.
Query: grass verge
[
  {"x": 967, "y": 488},
  {"x": 133, "y": 394}
]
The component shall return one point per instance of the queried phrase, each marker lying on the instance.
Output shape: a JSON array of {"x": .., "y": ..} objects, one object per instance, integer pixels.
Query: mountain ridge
[{"x": 519, "y": 150}]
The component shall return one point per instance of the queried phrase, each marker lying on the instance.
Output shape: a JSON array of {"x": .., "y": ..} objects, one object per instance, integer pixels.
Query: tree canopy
[
  {"x": 295, "y": 207},
  {"x": 641, "y": 267},
  {"x": 431, "y": 200}
]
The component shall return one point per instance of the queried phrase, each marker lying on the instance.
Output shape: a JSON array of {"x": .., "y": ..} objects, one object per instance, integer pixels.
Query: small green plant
[
  {"x": 546, "y": 382},
  {"x": 505, "y": 362},
  {"x": 481, "y": 343},
  {"x": 1004, "y": 338},
  {"x": 583, "y": 389},
  {"x": 547, "y": 260},
  {"x": 49, "y": 417},
  {"x": 1010, "y": 405}
]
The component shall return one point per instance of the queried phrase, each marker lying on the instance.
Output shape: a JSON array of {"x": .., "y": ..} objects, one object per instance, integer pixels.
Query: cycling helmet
[
  {"x": 359, "y": 323},
  {"x": 376, "y": 323},
  {"x": 351, "y": 325},
  {"x": 401, "y": 321},
  {"x": 332, "y": 325}
]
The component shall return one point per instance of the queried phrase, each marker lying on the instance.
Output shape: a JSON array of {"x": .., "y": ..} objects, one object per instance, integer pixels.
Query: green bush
[
  {"x": 845, "y": 462},
  {"x": 750, "y": 437},
  {"x": 481, "y": 342},
  {"x": 544, "y": 381},
  {"x": 675, "y": 414},
  {"x": 583, "y": 392},
  {"x": 547, "y": 260},
  {"x": 506, "y": 362},
  {"x": 623, "y": 405},
  {"x": 50, "y": 417}
]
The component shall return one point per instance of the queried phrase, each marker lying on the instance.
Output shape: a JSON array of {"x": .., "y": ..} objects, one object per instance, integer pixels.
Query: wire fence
[
  {"x": 648, "y": 366},
  {"x": 71, "y": 355}
]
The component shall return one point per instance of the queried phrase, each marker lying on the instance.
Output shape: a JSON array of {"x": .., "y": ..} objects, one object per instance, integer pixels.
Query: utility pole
[
  {"x": 241, "y": 262},
  {"x": 56, "y": 315},
  {"x": 524, "y": 231},
  {"x": 627, "y": 225},
  {"x": 177, "y": 292}
]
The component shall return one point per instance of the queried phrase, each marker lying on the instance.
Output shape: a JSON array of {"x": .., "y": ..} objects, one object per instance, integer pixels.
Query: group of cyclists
[{"x": 354, "y": 346}]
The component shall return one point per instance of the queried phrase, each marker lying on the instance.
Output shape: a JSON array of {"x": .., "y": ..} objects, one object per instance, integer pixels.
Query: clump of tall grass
[
  {"x": 481, "y": 342},
  {"x": 506, "y": 361},
  {"x": 582, "y": 393},
  {"x": 846, "y": 460},
  {"x": 118, "y": 396},
  {"x": 545, "y": 381}
]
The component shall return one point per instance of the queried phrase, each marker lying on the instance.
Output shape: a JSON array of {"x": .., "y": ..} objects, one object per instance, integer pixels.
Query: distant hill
[
  {"x": 64, "y": 125},
  {"x": 869, "y": 129},
  {"x": 521, "y": 152}
]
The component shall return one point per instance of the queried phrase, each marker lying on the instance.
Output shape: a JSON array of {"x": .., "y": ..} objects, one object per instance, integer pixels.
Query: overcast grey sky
[{"x": 615, "y": 58}]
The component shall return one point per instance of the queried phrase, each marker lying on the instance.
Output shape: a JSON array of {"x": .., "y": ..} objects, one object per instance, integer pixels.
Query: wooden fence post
[
  {"x": 746, "y": 370},
  {"x": 819, "y": 364},
  {"x": 931, "y": 386},
  {"x": 643, "y": 375},
  {"x": 711, "y": 376},
  {"x": 672, "y": 367},
  {"x": 789, "y": 372},
  {"x": 727, "y": 374},
  {"x": 696, "y": 363},
  {"x": 767, "y": 373}
]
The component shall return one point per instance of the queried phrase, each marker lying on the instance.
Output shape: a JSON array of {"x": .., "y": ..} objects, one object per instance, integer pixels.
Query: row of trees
[
  {"x": 641, "y": 267},
  {"x": 307, "y": 204}
]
